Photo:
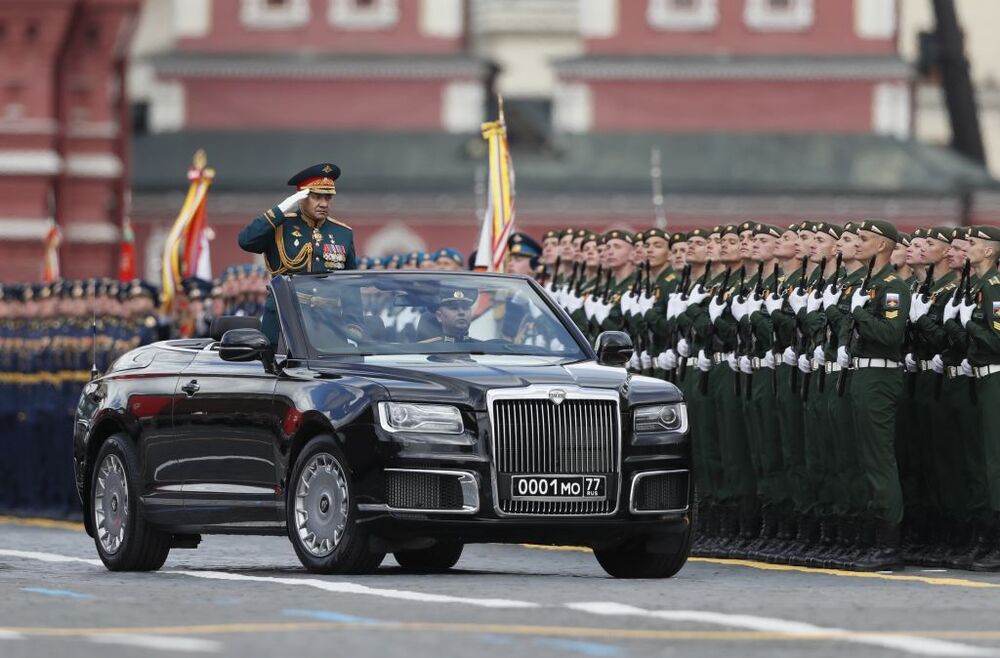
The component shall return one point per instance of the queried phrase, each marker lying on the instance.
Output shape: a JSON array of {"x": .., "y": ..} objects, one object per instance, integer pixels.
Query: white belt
[
  {"x": 833, "y": 367},
  {"x": 692, "y": 361},
  {"x": 757, "y": 363},
  {"x": 873, "y": 363},
  {"x": 986, "y": 371},
  {"x": 718, "y": 358},
  {"x": 924, "y": 365}
]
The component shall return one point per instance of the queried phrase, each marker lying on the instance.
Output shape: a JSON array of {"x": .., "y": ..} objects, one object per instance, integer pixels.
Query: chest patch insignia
[
  {"x": 891, "y": 315},
  {"x": 892, "y": 300},
  {"x": 996, "y": 309}
]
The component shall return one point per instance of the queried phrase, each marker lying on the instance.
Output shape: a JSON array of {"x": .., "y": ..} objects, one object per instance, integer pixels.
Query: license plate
[{"x": 558, "y": 487}]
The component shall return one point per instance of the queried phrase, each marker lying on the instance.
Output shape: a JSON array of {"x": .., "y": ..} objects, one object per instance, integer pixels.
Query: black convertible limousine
[{"x": 402, "y": 412}]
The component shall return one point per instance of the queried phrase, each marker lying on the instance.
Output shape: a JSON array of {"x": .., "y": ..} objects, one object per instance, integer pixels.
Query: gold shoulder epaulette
[
  {"x": 671, "y": 276},
  {"x": 338, "y": 223},
  {"x": 291, "y": 213},
  {"x": 995, "y": 280},
  {"x": 889, "y": 277},
  {"x": 269, "y": 213}
]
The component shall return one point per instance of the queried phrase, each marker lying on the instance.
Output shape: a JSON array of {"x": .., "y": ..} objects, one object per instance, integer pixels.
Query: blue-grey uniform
[{"x": 291, "y": 243}]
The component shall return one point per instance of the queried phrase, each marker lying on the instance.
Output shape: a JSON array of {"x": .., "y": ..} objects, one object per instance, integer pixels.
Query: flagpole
[{"x": 656, "y": 178}]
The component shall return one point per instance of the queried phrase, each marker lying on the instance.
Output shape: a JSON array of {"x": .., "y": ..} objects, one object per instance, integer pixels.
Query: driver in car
[{"x": 454, "y": 314}]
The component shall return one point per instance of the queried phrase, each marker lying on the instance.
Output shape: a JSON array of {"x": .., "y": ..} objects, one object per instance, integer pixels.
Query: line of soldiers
[{"x": 841, "y": 382}]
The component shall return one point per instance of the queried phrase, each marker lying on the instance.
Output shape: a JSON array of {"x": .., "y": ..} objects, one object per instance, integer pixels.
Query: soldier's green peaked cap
[
  {"x": 942, "y": 233},
  {"x": 991, "y": 233},
  {"x": 881, "y": 227}
]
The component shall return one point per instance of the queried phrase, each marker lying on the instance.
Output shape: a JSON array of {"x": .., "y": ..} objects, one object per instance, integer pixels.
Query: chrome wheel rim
[
  {"x": 111, "y": 504},
  {"x": 321, "y": 504}
]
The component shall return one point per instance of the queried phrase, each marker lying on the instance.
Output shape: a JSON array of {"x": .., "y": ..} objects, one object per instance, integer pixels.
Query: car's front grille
[
  {"x": 423, "y": 491},
  {"x": 574, "y": 437},
  {"x": 661, "y": 492}
]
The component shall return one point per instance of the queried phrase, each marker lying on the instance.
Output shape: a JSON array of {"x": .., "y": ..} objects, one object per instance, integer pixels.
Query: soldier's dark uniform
[{"x": 292, "y": 243}]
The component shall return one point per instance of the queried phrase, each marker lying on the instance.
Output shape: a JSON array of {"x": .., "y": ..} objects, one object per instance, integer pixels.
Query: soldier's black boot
[
  {"x": 729, "y": 533},
  {"x": 847, "y": 536},
  {"x": 824, "y": 545},
  {"x": 989, "y": 561},
  {"x": 804, "y": 541},
  {"x": 787, "y": 529},
  {"x": 886, "y": 554},
  {"x": 765, "y": 537},
  {"x": 700, "y": 528},
  {"x": 713, "y": 531},
  {"x": 979, "y": 547}
]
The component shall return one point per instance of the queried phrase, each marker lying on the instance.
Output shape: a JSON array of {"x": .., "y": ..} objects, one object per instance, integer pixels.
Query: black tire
[
  {"x": 433, "y": 559},
  {"x": 634, "y": 560},
  {"x": 138, "y": 546},
  {"x": 350, "y": 552}
]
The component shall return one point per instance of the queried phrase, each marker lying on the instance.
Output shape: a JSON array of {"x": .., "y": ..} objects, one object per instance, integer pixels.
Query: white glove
[
  {"x": 798, "y": 299},
  {"x": 663, "y": 360},
  {"x": 588, "y": 307},
  {"x": 843, "y": 358},
  {"x": 731, "y": 361},
  {"x": 704, "y": 363},
  {"x": 910, "y": 363},
  {"x": 805, "y": 365},
  {"x": 859, "y": 299},
  {"x": 556, "y": 345},
  {"x": 789, "y": 356},
  {"x": 739, "y": 308},
  {"x": 601, "y": 311},
  {"x": 965, "y": 313},
  {"x": 967, "y": 368},
  {"x": 697, "y": 296},
  {"x": 715, "y": 308},
  {"x": 769, "y": 360},
  {"x": 573, "y": 303},
  {"x": 753, "y": 304},
  {"x": 683, "y": 348},
  {"x": 671, "y": 360},
  {"x": 819, "y": 355},
  {"x": 773, "y": 303},
  {"x": 919, "y": 306},
  {"x": 745, "y": 365},
  {"x": 815, "y": 302},
  {"x": 634, "y": 363},
  {"x": 645, "y": 360},
  {"x": 627, "y": 303},
  {"x": 831, "y": 296},
  {"x": 292, "y": 201},
  {"x": 645, "y": 302},
  {"x": 674, "y": 305},
  {"x": 937, "y": 364},
  {"x": 952, "y": 307}
]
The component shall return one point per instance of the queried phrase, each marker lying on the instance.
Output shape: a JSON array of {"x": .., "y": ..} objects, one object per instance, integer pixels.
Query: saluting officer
[{"x": 298, "y": 235}]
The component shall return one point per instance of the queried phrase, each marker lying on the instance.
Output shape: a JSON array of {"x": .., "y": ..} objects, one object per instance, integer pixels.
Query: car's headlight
[
  {"x": 420, "y": 418},
  {"x": 661, "y": 419}
]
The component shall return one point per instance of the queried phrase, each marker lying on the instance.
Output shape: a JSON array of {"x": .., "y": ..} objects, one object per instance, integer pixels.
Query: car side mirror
[
  {"x": 614, "y": 348},
  {"x": 246, "y": 345}
]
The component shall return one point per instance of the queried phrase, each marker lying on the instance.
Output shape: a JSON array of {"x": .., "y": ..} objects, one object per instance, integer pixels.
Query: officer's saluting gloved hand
[
  {"x": 919, "y": 306},
  {"x": 292, "y": 201},
  {"x": 859, "y": 299}
]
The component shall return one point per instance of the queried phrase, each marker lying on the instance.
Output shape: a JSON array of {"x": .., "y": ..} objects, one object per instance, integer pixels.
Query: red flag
[{"x": 126, "y": 265}]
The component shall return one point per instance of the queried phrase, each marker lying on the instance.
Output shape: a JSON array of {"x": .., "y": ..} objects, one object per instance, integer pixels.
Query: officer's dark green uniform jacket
[
  {"x": 882, "y": 322},
  {"x": 291, "y": 244}
]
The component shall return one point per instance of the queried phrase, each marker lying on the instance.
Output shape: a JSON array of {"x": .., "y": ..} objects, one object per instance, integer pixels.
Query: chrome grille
[{"x": 533, "y": 435}]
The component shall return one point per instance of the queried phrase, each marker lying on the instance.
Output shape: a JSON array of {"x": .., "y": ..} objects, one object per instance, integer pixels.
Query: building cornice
[
  {"x": 724, "y": 67},
  {"x": 249, "y": 66}
]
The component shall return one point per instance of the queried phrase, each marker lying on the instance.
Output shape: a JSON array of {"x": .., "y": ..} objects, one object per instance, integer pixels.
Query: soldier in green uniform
[
  {"x": 879, "y": 317},
  {"x": 298, "y": 235}
]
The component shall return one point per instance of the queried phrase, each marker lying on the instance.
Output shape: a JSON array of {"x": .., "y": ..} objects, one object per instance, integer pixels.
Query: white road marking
[
  {"x": 10, "y": 635},
  {"x": 341, "y": 587},
  {"x": 161, "y": 642},
  {"x": 910, "y": 644}
]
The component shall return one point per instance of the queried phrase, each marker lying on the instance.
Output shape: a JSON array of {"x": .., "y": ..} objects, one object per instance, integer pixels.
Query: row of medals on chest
[{"x": 317, "y": 237}]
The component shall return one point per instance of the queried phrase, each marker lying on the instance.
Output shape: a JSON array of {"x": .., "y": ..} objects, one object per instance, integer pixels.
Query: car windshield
[{"x": 429, "y": 313}]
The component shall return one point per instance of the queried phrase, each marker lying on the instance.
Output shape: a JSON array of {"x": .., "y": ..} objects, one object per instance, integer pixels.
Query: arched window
[
  {"x": 274, "y": 14},
  {"x": 683, "y": 15},
  {"x": 363, "y": 14},
  {"x": 779, "y": 15}
]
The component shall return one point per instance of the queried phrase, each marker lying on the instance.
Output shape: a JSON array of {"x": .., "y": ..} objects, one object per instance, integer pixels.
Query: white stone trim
[
  {"x": 347, "y": 14},
  {"x": 462, "y": 105},
  {"x": 761, "y": 15},
  {"x": 26, "y": 229},
  {"x": 192, "y": 18},
  {"x": 41, "y": 162},
  {"x": 572, "y": 107},
  {"x": 442, "y": 19},
  {"x": 167, "y": 106},
  {"x": 891, "y": 109},
  {"x": 28, "y": 126},
  {"x": 875, "y": 19},
  {"x": 91, "y": 232},
  {"x": 260, "y": 15},
  {"x": 93, "y": 165},
  {"x": 93, "y": 129},
  {"x": 598, "y": 18},
  {"x": 666, "y": 15}
]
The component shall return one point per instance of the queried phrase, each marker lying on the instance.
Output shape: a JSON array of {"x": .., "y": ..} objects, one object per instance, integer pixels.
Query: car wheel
[
  {"x": 439, "y": 557},
  {"x": 124, "y": 540},
  {"x": 322, "y": 515},
  {"x": 633, "y": 559}
]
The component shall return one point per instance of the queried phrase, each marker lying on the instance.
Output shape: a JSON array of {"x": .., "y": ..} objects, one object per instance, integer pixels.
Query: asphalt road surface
[{"x": 248, "y": 596}]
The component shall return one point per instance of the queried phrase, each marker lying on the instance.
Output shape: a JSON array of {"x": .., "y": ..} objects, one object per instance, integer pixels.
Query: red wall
[
  {"x": 304, "y": 104},
  {"x": 732, "y": 106},
  {"x": 832, "y": 32}
]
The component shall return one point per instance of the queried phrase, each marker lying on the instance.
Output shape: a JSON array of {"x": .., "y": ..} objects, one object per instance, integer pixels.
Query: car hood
[{"x": 466, "y": 379}]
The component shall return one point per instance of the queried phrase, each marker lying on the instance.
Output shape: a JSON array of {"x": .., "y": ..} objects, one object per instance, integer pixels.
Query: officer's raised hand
[{"x": 292, "y": 201}]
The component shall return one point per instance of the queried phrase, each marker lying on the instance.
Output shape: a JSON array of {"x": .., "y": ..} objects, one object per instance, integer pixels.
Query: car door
[{"x": 224, "y": 425}]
